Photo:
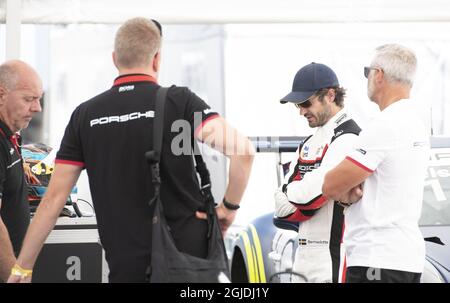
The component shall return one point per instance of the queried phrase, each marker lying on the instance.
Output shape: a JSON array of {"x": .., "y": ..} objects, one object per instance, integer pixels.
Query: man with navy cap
[{"x": 316, "y": 93}]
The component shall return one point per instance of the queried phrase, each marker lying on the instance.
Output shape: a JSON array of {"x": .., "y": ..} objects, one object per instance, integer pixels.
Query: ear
[
  {"x": 3, "y": 93},
  {"x": 157, "y": 61},
  {"x": 379, "y": 76},
  {"x": 114, "y": 59},
  {"x": 331, "y": 95}
]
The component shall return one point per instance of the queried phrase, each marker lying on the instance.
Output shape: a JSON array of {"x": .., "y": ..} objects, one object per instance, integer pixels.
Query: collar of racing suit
[{"x": 340, "y": 117}]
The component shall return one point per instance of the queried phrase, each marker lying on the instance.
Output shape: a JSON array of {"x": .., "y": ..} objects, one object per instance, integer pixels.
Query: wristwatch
[{"x": 229, "y": 205}]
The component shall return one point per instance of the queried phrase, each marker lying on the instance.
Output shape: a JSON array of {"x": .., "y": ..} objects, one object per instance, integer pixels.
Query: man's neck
[
  {"x": 334, "y": 111},
  {"x": 7, "y": 123},
  {"x": 145, "y": 71},
  {"x": 393, "y": 95}
]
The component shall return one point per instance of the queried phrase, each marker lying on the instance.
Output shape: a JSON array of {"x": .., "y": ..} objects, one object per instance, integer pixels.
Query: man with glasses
[
  {"x": 382, "y": 238},
  {"x": 319, "y": 98},
  {"x": 109, "y": 136}
]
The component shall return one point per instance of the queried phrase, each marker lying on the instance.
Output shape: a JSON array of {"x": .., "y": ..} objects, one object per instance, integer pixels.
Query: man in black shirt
[
  {"x": 109, "y": 135},
  {"x": 20, "y": 94}
]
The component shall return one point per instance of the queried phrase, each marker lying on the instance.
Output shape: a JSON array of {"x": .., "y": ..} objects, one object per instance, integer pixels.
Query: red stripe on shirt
[
  {"x": 344, "y": 270},
  {"x": 76, "y": 163},
  {"x": 14, "y": 140},
  {"x": 298, "y": 177},
  {"x": 199, "y": 128},
  {"x": 344, "y": 267},
  {"x": 359, "y": 164},
  {"x": 131, "y": 79}
]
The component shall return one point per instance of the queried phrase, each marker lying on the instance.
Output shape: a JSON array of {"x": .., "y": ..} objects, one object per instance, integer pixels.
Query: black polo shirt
[
  {"x": 109, "y": 135},
  {"x": 15, "y": 209}
]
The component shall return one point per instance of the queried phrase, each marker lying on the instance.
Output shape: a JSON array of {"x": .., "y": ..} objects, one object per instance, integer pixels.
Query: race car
[{"x": 264, "y": 250}]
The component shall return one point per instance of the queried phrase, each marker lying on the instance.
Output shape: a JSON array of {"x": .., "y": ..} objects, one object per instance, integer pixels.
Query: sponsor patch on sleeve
[{"x": 362, "y": 151}]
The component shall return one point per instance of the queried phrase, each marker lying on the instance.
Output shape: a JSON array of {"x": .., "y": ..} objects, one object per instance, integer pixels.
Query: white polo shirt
[{"x": 381, "y": 230}]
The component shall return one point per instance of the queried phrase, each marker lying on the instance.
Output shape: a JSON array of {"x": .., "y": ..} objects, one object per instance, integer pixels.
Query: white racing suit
[{"x": 318, "y": 257}]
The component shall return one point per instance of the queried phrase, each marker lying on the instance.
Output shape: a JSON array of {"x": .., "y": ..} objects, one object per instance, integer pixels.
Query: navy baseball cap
[{"x": 308, "y": 80}]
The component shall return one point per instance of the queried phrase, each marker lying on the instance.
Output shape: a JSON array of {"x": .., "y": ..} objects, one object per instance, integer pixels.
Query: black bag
[{"x": 168, "y": 264}]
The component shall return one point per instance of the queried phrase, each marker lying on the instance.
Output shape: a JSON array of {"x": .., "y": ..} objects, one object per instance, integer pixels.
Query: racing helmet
[{"x": 38, "y": 164}]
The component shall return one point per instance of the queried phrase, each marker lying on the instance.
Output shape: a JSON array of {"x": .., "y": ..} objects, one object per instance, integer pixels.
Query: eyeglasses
[
  {"x": 367, "y": 70},
  {"x": 158, "y": 25},
  {"x": 305, "y": 104}
]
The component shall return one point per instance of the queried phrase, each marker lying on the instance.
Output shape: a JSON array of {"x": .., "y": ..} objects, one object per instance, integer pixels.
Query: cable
[
  {"x": 92, "y": 207},
  {"x": 77, "y": 209}
]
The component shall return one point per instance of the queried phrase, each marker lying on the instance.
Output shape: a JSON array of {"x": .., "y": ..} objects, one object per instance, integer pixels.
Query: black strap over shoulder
[
  {"x": 167, "y": 263},
  {"x": 205, "y": 186},
  {"x": 348, "y": 127},
  {"x": 154, "y": 156}
]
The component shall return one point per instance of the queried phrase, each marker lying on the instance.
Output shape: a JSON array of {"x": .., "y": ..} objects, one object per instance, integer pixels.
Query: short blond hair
[
  {"x": 398, "y": 62},
  {"x": 137, "y": 41}
]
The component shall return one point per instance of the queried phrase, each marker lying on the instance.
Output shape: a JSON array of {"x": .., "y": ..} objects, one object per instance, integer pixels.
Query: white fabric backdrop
[{"x": 231, "y": 11}]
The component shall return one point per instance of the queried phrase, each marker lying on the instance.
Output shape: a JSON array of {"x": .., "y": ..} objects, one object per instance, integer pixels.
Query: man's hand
[
  {"x": 283, "y": 207},
  {"x": 225, "y": 216},
  {"x": 13, "y": 279},
  {"x": 20, "y": 275},
  {"x": 7, "y": 258},
  {"x": 354, "y": 195},
  {"x": 18, "y": 279}
]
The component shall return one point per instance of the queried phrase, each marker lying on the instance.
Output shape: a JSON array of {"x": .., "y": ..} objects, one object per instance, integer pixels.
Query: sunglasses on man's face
[
  {"x": 305, "y": 104},
  {"x": 367, "y": 70}
]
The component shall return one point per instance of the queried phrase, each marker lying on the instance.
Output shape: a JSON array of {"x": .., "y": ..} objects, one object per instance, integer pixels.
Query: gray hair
[
  {"x": 137, "y": 41},
  {"x": 9, "y": 77},
  {"x": 399, "y": 63}
]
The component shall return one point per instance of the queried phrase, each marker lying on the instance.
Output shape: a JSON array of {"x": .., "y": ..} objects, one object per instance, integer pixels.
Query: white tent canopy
[
  {"x": 221, "y": 62},
  {"x": 230, "y": 11}
]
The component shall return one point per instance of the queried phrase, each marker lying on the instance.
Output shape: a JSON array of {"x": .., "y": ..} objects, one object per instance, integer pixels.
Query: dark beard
[{"x": 322, "y": 118}]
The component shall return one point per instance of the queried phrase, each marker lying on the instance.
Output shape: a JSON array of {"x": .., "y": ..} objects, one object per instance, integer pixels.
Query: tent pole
[{"x": 13, "y": 21}]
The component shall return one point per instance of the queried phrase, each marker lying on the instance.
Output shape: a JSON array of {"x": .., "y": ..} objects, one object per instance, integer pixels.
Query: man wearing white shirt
[
  {"x": 382, "y": 238},
  {"x": 319, "y": 98}
]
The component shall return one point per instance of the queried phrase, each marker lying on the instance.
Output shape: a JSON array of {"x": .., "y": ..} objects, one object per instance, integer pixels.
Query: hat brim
[{"x": 297, "y": 97}]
